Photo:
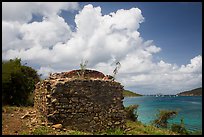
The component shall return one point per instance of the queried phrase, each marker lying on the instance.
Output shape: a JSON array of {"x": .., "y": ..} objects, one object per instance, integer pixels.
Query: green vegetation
[
  {"x": 162, "y": 122},
  {"x": 131, "y": 112},
  {"x": 115, "y": 132},
  {"x": 127, "y": 93},
  {"x": 74, "y": 132},
  {"x": 179, "y": 128},
  {"x": 42, "y": 130},
  {"x": 132, "y": 128},
  {"x": 135, "y": 127},
  {"x": 83, "y": 68},
  {"x": 138, "y": 128},
  {"x": 24, "y": 133},
  {"x": 197, "y": 132},
  {"x": 162, "y": 118},
  {"x": 18, "y": 83}
]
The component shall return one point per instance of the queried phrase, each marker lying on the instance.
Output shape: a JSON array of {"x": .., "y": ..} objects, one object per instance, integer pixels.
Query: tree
[
  {"x": 9, "y": 67},
  {"x": 30, "y": 72},
  {"x": 18, "y": 82}
]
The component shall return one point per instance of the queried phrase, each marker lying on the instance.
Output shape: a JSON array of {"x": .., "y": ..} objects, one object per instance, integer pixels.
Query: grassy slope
[
  {"x": 138, "y": 128},
  {"x": 127, "y": 93},
  {"x": 133, "y": 128}
]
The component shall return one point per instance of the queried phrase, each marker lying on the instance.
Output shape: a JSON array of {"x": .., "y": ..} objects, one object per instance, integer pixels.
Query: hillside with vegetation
[
  {"x": 128, "y": 93},
  {"x": 193, "y": 92}
]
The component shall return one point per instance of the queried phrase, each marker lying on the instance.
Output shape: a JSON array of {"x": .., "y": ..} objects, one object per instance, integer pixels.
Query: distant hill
[
  {"x": 127, "y": 93},
  {"x": 193, "y": 92}
]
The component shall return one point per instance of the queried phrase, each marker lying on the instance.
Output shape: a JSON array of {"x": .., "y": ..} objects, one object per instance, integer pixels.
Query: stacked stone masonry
[{"x": 86, "y": 104}]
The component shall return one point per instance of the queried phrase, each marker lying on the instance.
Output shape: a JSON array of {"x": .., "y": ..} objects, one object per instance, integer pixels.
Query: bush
[
  {"x": 18, "y": 82},
  {"x": 197, "y": 132},
  {"x": 179, "y": 128},
  {"x": 131, "y": 112},
  {"x": 163, "y": 117}
]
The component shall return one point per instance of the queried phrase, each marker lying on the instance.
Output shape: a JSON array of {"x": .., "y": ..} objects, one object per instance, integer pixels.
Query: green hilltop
[{"x": 128, "y": 93}]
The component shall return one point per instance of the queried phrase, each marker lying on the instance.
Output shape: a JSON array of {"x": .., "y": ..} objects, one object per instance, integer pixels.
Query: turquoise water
[{"x": 188, "y": 107}]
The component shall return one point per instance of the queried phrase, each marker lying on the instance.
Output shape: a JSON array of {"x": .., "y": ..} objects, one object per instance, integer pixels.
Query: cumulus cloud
[
  {"x": 194, "y": 66},
  {"x": 166, "y": 78},
  {"x": 23, "y": 11},
  {"x": 100, "y": 39}
]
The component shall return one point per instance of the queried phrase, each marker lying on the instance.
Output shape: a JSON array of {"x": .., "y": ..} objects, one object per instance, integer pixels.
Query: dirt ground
[
  {"x": 25, "y": 121},
  {"x": 15, "y": 121}
]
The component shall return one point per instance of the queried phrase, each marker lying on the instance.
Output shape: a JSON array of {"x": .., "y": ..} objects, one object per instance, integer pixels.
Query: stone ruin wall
[{"x": 89, "y": 104}]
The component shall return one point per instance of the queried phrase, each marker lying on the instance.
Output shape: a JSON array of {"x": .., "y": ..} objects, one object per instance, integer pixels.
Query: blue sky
[
  {"x": 176, "y": 27},
  {"x": 158, "y": 44}
]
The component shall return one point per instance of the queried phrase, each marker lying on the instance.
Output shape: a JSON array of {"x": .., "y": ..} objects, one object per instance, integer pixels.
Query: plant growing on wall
[
  {"x": 115, "y": 71},
  {"x": 83, "y": 68}
]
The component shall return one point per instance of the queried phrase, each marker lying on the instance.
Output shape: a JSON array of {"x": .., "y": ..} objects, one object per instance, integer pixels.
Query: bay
[{"x": 188, "y": 107}]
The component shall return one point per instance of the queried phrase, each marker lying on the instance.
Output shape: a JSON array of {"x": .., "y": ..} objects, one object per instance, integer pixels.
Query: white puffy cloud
[
  {"x": 10, "y": 35},
  {"x": 153, "y": 49},
  {"x": 166, "y": 78},
  {"x": 48, "y": 32},
  {"x": 100, "y": 39},
  {"x": 23, "y": 11},
  {"x": 34, "y": 41},
  {"x": 194, "y": 66}
]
